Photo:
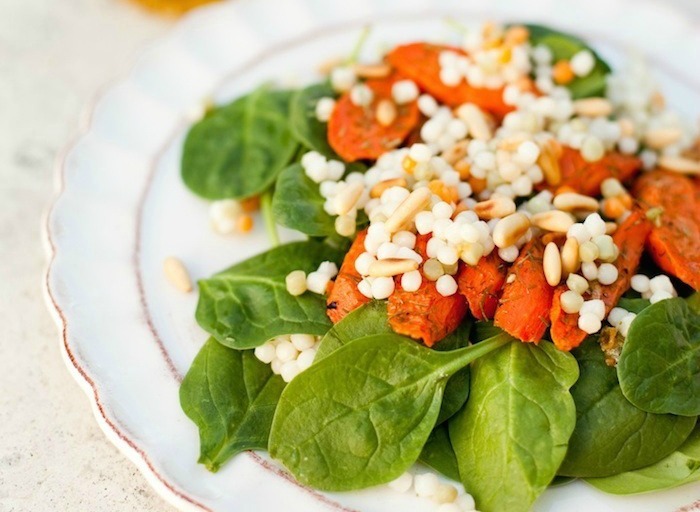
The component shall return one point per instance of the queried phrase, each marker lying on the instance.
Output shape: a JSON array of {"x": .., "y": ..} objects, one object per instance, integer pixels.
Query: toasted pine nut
[
  {"x": 513, "y": 142},
  {"x": 380, "y": 187},
  {"x": 658, "y": 101},
  {"x": 495, "y": 207},
  {"x": 392, "y": 267},
  {"x": 551, "y": 263},
  {"x": 548, "y": 161},
  {"x": 456, "y": 152},
  {"x": 372, "y": 70},
  {"x": 345, "y": 225},
  {"x": 386, "y": 112},
  {"x": 553, "y": 220},
  {"x": 177, "y": 274},
  {"x": 509, "y": 229},
  {"x": 477, "y": 122},
  {"x": 593, "y": 107},
  {"x": 328, "y": 65},
  {"x": 515, "y": 35},
  {"x": 570, "y": 260},
  {"x": 464, "y": 168},
  {"x": 662, "y": 137},
  {"x": 407, "y": 210},
  {"x": 348, "y": 197},
  {"x": 680, "y": 164},
  {"x": 571, "y": 201},
  {"x": 610, "y": 228},
  {"x": 562, "y": 72}
]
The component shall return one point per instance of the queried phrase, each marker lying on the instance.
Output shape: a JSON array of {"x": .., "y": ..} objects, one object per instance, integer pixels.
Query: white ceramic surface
[{"x": 128, "y": 336}]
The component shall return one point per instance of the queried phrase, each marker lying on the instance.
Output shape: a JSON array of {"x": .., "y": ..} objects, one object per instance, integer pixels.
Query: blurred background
[{"x": 55, "y": 56}]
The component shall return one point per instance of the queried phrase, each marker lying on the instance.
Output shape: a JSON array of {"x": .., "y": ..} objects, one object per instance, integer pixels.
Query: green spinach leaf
[
  {"x": 231, "y": 397},
  {"x": 439, "y": 454},
  {"x": 306, "y": 128},
  {"x": 634, "y": 305},
  {"x": 361, "y": 415},
  {"x": 248, "y": 304},
  {"x": 372, "y": 318},
  {"x": 563, "y": 47},
  {"x": 516, "y": 425},
  {"x": 238, "y": 150},
  {"x": 659, "y": 367},
  {"x": 681, "y": 467},
  {"x": 298, "y": 204},
  {"x": 611, "y": 434}
]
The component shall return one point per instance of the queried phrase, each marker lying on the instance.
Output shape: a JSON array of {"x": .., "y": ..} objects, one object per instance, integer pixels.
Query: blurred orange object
[{"x": 171, "y": 6}]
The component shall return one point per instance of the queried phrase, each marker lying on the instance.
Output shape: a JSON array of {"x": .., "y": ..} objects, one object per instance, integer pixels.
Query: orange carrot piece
[
  {"x": 425, "y": 314},
  {"x": 674, "y": 242},
  {"x": 420, "y": 62},
  {"x": 586, "y": 177},
  {"x": 354, "y": 132},
  {"x": 629, "y": 238},
  {"x": 344, "y": 296},
  {"x": 482, "y": 285},
  {"x": 523, "y": 310}
]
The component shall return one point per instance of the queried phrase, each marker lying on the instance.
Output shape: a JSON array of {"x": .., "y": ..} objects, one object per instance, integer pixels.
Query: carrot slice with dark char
[
  {"x": 482, "y": 285},
  {"x": 425, "y": 314},
  {"x": 629, "y": 238},
  {"x": 586, "y": 177},
  {"x": 523, "y": 310},
  {"x": 354, "y": 132},
  {"x": 344, "y": 296},
  {"x": 421, "y": 63},
  {"x": 674, "y": 242}
]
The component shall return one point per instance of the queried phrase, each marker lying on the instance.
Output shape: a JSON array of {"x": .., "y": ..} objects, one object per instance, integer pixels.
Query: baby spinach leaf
[
  {"x": 231, "y": 397},
  {"x": 679, "y": 468},
  {"x": 305, "y": 127},
  {"x": 361, "y": 415},
  {"x": 439, "y": 454},
  {"x": 515, "y": 426},
  {"x": 563, "y": 47},
  {"x": 611, "y": 434},
  {"x": 659, "y": 367},
  {"x": 372, "y": 319},
  {"x": 634, "y": 305},
  {"x": 238, "y": 150},
  {"x": 298, "y": 204},
  {"x": 248, "y": 303}
]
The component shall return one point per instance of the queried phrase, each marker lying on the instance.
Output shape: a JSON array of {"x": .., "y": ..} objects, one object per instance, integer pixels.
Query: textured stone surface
[{"x": 54, "y": 56}]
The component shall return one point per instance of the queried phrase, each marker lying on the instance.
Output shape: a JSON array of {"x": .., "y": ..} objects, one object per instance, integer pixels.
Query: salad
[{"x": 499, "y": 278}]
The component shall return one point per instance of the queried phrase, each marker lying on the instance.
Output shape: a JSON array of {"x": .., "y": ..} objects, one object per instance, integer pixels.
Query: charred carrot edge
[
  {"x": 425, "y": 314},
  {"x": 586, "y": 177},
  {"x": 630, "y": 238},
  {"x": 523, "y": 310},
  {"x": 354, "y": 132},
  {"x": 420, "y": 62},
  {"x": 482, "y": 285},
  {"x": 344, "y": 296},
  {"x": 674, "y": 242}
]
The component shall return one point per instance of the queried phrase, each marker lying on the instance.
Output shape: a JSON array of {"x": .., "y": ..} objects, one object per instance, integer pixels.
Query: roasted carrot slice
[
  {"x": 630, "y": 238},
  {"x": 523, "y": 310},
  {"x": 482, "y": 285},
  {"x": 586, "y": 177},
  {"x": 674, "y": 242},
  {"x": 420, "y": 62},
  {"x": 425, "y": 314},
  {"x": 344, "y": 296},
  {"x": 354, "y": 132}
]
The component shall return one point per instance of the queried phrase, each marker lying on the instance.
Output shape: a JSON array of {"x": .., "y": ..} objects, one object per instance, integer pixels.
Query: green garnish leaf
[
  {"x": 515, "y": 427},
  {"x": 231, "y": 397},
  {"x": 238, "y": 150}
]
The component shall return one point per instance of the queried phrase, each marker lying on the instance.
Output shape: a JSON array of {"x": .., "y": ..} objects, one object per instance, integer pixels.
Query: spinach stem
[
  {"x": 355, "y": 54},
  {"x": 270, "y": 224},
  {"x": 462, "y": 357}
]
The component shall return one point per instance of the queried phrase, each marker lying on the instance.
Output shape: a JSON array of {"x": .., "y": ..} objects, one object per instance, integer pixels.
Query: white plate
[{"x": 128, "y": 337}]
